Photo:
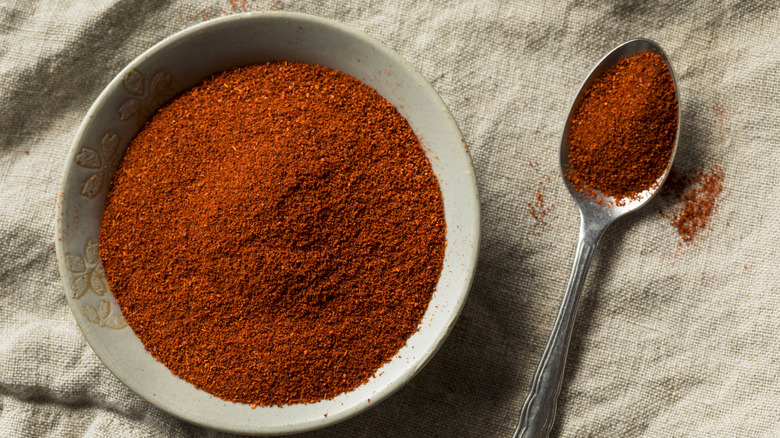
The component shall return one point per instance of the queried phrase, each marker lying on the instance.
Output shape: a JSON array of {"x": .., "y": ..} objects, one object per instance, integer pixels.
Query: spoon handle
[{"x": 538, "y": 413}]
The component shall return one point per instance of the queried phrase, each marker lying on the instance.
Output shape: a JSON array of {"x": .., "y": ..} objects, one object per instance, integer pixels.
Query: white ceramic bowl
[{"x": 178, "y": 63}]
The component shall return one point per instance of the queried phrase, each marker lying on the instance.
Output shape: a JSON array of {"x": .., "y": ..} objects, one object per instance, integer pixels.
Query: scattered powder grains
[
  {"x": 623, "y": 131},
  {"x": 274, "y": 235},
  {"x": 537, "y": 207},
  {"x": 693, "y": 197}
]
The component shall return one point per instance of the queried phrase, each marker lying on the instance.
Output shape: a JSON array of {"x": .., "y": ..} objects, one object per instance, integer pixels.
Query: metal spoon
[{"x": 538, "y": 413}]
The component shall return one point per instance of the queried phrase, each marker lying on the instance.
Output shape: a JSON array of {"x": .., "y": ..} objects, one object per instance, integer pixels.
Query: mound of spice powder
[
  {"x": 622, "y": 134},
  {"x": 274, "y": 235}
]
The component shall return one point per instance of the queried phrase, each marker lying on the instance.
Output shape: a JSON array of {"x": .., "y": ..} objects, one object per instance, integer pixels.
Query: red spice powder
[
  {"x": 274, "y": 235},
  {"x": 694, "y": 196},
  {"x": 537, "y": 207},
  {"x": 622, "y": 134}
]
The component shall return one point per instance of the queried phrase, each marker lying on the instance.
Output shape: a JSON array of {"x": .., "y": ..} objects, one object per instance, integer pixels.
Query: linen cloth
[{"x": 670, "y": 340}]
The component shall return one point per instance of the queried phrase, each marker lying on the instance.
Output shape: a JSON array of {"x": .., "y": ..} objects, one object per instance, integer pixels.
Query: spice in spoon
[{"x": 622, "y": 134}]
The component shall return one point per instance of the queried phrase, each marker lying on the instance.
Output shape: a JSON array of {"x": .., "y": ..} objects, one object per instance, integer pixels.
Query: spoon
[{"x": 538, "y": 412}]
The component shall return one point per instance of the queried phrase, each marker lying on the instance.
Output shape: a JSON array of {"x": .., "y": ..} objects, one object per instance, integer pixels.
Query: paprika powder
[
  {"x": 694, "y": 196},
  {"x": 274, "y": 234},
  {"x": 622, "y": 135}
]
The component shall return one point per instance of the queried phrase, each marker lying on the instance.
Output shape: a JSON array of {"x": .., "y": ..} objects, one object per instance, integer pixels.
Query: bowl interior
[{"x": 183, "y": 60}]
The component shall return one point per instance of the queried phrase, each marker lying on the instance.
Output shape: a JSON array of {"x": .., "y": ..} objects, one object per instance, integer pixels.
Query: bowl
[{"x": 182, "y": 61}]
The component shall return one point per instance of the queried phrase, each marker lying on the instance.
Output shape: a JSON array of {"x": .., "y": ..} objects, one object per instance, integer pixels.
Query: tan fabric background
[{"x": 669, "y": 342}]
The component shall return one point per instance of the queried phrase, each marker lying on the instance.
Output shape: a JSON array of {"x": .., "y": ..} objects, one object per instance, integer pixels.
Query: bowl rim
[{"x": 430, "y": 94}]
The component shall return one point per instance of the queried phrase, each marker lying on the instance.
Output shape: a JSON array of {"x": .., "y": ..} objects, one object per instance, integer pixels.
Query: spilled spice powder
[
  {"x": 693, "y": 197},
  {"x": 275, "y": 234},
  {"x": 537, "y": 207},
  {"x": 623, "y": 131}
]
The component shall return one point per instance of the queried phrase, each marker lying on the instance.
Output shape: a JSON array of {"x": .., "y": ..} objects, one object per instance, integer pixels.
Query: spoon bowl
[
  {"x": 597, "y": 212},
  {"x": 609, "y": 204}
]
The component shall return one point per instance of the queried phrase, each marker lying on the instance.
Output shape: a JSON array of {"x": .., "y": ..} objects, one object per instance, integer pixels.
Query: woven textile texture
[{"x": 670, "y": 340}]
